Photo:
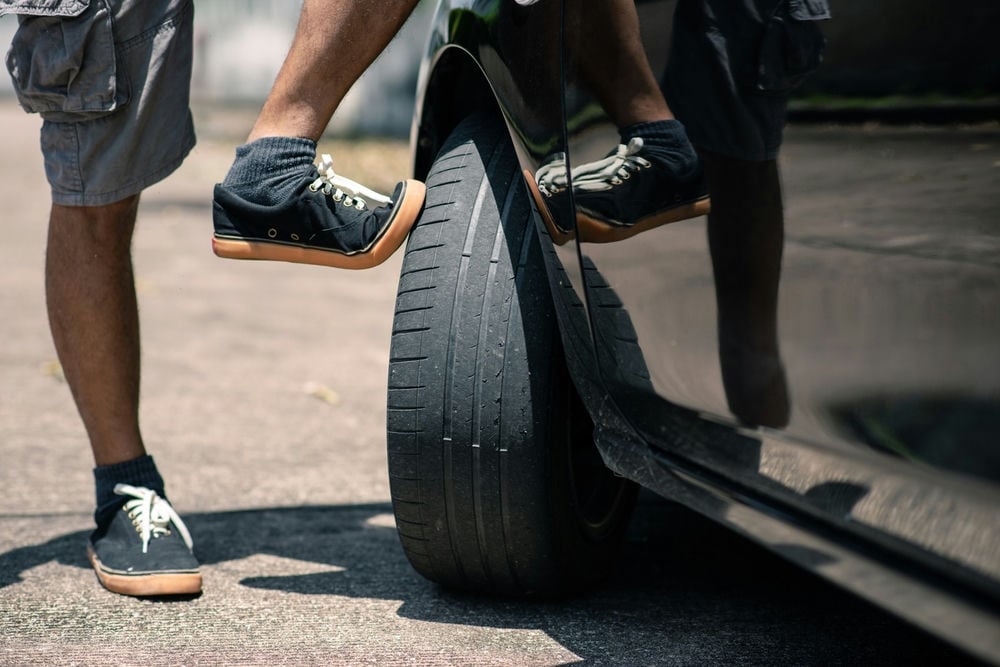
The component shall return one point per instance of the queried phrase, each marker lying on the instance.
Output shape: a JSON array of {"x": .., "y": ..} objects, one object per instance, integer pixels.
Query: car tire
[{"x": 496, "y": 484}]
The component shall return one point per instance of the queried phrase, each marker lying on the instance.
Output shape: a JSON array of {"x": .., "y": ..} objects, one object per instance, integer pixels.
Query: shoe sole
[
  {"x": 406, "y": 213},
  {"x": 145, "y": 585},
  {"x": 592, "y": 230}
]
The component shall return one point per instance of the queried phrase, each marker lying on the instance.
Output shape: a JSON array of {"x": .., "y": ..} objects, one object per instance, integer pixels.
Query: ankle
[
  {"x": 657, "y": 131},
  {"x": 140, "y": 471},
  {"x": 264, "y": 157},
  {"x": 665, "y": 139}
]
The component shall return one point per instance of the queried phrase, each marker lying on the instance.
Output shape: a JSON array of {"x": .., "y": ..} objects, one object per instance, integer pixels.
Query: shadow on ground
[{"x": 683, "y": 583}]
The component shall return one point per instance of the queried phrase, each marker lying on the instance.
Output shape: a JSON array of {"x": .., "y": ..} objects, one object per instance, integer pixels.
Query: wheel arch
[{"x": 455, "y": 87}]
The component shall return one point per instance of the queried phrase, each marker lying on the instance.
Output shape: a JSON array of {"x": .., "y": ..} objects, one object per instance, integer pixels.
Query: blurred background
[
  {"x": 915, "y": 59},
  {"x": 240, "y": 44}
]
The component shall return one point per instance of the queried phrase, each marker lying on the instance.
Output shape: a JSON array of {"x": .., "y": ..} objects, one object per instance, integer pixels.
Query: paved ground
[{"x": 263, "y": 402}]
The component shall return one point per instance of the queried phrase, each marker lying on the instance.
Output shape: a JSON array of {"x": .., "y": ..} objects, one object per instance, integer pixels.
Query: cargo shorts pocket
[
  {"x": 65, "y": 68},
  {"x": 792, "y": 46}
]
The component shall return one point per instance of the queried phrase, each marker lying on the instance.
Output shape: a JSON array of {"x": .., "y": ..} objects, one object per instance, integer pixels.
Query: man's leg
[
  {"x": 654, "y": 176},
  {"x": 335, "y": 42},
  {"x": 606, "y": 47},
  {"x": 95, "y": 322},
  {"x": 273, "y": 204},
  {"x": 96, "y": 165},
  {"x": 746, "y": 241},
  {"x": 140, "y": 547}
]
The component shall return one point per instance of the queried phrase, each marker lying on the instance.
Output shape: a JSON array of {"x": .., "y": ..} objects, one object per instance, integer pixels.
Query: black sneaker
[
  {"x": 330, "y": 221},
  {"x": 627, "y": 193},
  {"x": 145, "y": 548}
]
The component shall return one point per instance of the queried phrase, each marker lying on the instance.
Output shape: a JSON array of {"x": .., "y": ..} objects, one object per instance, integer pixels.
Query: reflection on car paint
[{"x": 830, "y": 373}]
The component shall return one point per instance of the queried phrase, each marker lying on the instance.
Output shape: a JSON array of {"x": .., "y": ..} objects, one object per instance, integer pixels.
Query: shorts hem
[{"x": 64, "y": 198}]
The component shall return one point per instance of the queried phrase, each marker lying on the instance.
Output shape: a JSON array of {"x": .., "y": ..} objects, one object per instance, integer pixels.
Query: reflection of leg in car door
[
  {"x": 654, "y": 176},
  {"x": 746, "y": 238},
  {"x": 731, "y": 67}
]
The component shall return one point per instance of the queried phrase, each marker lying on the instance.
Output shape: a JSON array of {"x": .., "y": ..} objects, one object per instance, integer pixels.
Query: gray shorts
[
  {"x": 112, "y": 84},
  {"x": 733, "y": 64}
]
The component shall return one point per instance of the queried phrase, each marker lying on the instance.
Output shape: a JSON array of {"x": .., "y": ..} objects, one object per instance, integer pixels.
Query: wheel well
[{"x": 456, "y": 88}]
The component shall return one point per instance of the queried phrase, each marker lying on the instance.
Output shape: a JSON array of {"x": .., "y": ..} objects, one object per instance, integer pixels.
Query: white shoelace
[
  {"x": 594, "y": 176},
  {"x": 551, "y": 176},
  {"x": 344, "y": 190},
  {"x": 612, "y": 170},
  {"x": 151, "y": 515}
]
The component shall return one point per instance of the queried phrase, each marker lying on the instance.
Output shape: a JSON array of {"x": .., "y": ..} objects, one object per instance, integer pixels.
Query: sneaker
[
  {"x": 618, "y": 196},
  {"x": 625, "y": 194},
  {"x": 145, "y": 548},
  {"x": 330, "y": 221}
]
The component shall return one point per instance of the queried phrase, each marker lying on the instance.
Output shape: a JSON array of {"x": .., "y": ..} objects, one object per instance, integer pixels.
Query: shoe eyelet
[
  {"x": 313, "y": 189},
  {"x": 295, "y": 237},
  {"x": 272, "y": 233}
]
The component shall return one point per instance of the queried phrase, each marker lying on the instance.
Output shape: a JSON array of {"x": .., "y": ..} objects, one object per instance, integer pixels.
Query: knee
[{"x": 108, "y": 227}]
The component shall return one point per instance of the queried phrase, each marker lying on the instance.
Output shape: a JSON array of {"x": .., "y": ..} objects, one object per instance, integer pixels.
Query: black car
[{"x": 544, "y": 365}]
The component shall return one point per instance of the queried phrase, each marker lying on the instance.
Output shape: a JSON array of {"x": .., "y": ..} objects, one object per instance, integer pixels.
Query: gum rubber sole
[
  {"x": 406, "y": 214},
  {"x": 145, "y": 585},
  {"x": 593, "y": 230}
]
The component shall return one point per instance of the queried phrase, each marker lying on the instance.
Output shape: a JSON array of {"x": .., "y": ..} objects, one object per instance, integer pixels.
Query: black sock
[
  {"x": 268, "y": 170},
  {"x": 663, "y": 140},
  {"x": 137, "y": 472}
]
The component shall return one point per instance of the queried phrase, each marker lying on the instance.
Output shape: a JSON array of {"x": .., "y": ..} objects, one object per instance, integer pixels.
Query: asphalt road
[{"x": 264, "y": 405}]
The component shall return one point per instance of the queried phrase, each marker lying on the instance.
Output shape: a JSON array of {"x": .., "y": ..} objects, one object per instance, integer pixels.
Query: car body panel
[{"x": 874, "y": 462}]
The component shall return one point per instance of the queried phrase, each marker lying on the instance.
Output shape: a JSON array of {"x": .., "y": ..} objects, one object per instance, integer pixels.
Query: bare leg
[
  {"x": 95, "y": 323},
  {"x": 619, "y": 75},
  {"x": 746, "y": 240},
  {"x": 335, "y": 42}
]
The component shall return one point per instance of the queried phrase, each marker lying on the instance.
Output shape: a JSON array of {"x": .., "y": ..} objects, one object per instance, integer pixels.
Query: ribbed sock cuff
[
  {"x": 266, "y": 169},
  {"x": 665, "y": 129},
  {"x": 137, "y": 472},
  {"x": 666, "y": 133},
  {"x": 664, "y": 139}
]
